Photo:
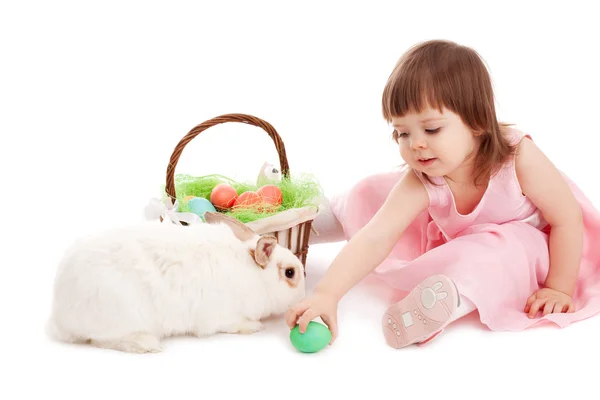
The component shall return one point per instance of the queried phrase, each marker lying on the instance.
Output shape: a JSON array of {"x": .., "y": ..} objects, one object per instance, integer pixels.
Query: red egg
[
  {"x": 223, "y": 196},
  {"x": 247, "y": 199},
  {"x": 270, "y": 194}
]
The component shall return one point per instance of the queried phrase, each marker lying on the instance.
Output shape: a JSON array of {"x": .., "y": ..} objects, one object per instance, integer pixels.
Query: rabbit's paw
[
  {"x": 247, "y": 327},
  {"x": 134, "y": 343}
]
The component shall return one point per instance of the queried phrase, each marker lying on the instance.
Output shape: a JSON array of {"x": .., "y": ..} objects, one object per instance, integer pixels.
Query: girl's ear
[{"x": 478, "y": 134}]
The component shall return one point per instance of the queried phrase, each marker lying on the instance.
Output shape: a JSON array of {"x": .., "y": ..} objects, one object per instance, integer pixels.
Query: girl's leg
[
  {"x": 465, "y": 307},
  {"x": 496, "y": 267},
  {"x": 328, "y": 228}
]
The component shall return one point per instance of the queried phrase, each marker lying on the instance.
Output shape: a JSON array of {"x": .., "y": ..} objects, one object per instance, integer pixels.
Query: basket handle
[{"x": 243, "y": 118}]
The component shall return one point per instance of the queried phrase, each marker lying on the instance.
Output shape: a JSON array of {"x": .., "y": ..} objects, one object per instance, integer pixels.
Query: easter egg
[
  {"x": 247, "y": 199},
  {"x": 199, "y": 205},
  {"x": 223, "y": 196},
  {"x": 187, "y": 198},
  {"x": 270, "y": 194},
  {"x": 316, "y": 337}
]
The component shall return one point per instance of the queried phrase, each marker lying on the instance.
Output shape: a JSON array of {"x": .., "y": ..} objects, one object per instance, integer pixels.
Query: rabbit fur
[{"x": 128, "y": 288}]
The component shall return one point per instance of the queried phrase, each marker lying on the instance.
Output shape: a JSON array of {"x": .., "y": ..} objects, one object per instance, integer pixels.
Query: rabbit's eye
[{"x": 289, "y": 273}]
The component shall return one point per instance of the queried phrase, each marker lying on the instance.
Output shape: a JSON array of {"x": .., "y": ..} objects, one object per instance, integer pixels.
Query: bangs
[
  {"x": 439, "y": 75},
  {"x": 409, "y": 90}
]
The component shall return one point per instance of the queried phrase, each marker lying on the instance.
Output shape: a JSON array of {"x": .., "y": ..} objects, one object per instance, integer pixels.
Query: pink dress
[{"x": 497, "y": 254}]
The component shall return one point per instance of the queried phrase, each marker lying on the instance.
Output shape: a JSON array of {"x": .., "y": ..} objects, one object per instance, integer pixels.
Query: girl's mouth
[{"x": 426, "y": 161}]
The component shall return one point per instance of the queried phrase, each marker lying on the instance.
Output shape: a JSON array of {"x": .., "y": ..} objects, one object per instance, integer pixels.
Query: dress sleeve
[{"x": 515, "y": 136}]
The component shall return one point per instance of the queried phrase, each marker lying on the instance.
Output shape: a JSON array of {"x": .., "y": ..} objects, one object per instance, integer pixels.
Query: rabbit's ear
[
  {"x": 264, "y": 248},
  {"x": 240, "y": 230}
]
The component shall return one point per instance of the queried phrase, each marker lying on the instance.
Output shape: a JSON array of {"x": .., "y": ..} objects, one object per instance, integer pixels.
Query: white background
[{"x": 94, "y": 97}]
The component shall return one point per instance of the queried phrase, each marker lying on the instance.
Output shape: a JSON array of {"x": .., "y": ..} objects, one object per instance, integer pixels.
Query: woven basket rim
[{"x": 239, "y": 118}]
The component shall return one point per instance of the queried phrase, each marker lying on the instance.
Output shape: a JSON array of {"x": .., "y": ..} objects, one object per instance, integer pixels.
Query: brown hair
[{"x": 441, "y": 74}]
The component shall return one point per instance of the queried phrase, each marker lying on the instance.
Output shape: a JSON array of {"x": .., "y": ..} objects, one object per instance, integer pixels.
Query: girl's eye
[
  {"x": 433, "y": 130},
  {"x": 397, "y": 135}
]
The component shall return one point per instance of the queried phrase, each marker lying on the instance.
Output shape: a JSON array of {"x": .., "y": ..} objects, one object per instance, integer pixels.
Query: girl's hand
[
  {"x": 319, "y": 304},
  {"x": 548, "y": 301}
]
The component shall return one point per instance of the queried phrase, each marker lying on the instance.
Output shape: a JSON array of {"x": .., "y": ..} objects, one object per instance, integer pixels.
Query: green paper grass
[{"x": 296, "y": 192}]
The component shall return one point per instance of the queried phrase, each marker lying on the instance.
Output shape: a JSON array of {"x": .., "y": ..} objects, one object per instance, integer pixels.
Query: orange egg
[
  {"x": 223, "y": 196},
  {"x": 247, "y": 199},
  {"x": 270, "y": 194}
]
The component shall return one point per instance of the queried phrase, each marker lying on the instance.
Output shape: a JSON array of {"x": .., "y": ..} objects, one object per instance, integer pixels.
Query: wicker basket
[{"x": 293, "y": 229}]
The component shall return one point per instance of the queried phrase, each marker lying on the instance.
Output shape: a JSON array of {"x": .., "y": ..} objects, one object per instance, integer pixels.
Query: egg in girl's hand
[
  {"x": 270, "y": 194},
  {"x": 223, "y": 196},
  {"x": 199, "y": 205},
  {"x": 316, "y": 337}
]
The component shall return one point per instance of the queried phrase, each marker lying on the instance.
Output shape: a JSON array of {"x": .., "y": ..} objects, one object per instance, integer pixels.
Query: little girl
[{"x": 478, "y": 218}]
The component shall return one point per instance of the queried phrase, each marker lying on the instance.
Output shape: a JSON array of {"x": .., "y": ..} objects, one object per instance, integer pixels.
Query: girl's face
[{"x": 433, "y": 142}]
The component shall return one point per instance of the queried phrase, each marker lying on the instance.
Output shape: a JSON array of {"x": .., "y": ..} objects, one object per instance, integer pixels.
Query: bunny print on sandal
[{"x": 422, "y": 314}]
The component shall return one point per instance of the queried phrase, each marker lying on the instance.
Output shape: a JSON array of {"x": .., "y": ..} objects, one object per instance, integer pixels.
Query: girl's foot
[{"x": 422, "y": 314}]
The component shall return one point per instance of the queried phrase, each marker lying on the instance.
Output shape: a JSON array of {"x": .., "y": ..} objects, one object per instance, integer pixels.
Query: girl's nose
[{"x": 418, "y": 144}]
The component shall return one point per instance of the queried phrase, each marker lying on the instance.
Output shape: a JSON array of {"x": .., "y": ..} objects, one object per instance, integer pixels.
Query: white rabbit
[{"x": 126, "y": 289}]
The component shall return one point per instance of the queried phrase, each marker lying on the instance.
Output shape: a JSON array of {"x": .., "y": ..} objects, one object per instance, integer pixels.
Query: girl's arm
[
  {"x": 373, "y": 243},
  {"x": 549, "y": 191}
]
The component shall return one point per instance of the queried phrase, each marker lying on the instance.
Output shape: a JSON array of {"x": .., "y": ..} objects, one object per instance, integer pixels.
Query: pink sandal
[{"x": 422, "y": 314}]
